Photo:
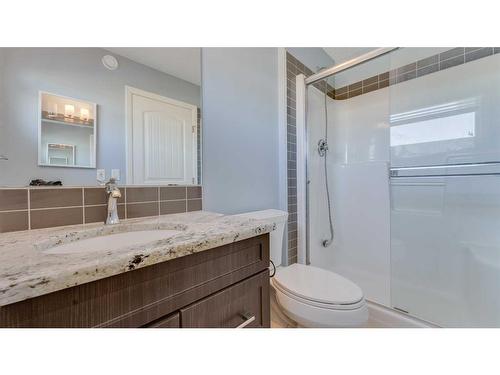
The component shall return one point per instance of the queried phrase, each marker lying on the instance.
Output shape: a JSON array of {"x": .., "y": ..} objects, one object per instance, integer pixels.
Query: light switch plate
[
  {"x": 101, "y": 176},
  {"x": 115, "y": 173}
]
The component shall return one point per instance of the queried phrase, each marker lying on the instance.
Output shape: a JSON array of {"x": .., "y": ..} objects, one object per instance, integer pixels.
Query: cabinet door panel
[
  {"x": 245, "y": 303},
  {"x": 171, "y": 321}
]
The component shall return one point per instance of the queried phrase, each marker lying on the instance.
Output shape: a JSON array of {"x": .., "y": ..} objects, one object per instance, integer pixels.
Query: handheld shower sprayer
[{"x": 323, "y": 152}]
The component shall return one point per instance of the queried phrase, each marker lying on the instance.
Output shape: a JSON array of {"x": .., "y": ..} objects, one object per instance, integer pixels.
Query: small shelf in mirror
[{"x": 64, "y": 122}]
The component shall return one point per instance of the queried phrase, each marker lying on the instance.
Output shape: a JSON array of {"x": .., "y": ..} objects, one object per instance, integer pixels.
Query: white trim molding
[{"x": 301, "y": 97}]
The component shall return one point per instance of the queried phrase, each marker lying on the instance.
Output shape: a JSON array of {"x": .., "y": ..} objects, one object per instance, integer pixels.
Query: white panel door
[{"x": 163, "y": 145}]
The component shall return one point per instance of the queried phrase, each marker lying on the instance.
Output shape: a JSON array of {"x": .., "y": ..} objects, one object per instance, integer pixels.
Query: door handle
[{"x": 248, "y": 319}]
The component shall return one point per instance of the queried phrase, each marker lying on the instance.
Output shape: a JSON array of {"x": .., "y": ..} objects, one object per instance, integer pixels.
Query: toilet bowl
[{"x": 311, "y": 296}]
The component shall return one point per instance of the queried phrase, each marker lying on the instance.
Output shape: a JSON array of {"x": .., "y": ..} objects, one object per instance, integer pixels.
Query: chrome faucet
[{"x": 113, "y": 194}]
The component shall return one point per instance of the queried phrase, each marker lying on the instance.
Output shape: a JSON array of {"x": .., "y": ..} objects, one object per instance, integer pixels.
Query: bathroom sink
[{"x": 111, "y": 242}]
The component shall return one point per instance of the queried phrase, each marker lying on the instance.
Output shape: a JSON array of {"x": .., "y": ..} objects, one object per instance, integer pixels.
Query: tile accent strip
[
  {"x": 417, "y": 69},
  {"x": 44, "y": 207}
]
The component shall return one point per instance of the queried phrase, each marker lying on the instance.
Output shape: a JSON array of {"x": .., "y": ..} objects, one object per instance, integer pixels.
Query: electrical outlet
[
  {"x": 115, "y": 173},
  {"x": 101, "y": 176}
]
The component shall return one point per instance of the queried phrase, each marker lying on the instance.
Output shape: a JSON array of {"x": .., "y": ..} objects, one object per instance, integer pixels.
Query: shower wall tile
[
  {"x": 294, "y": 67},
  {"x": 427, "y": 70},
  {"x": 458, "y": 60},
  {"x": 478, "y": 54},
  {"x": 431, "y": 60}
]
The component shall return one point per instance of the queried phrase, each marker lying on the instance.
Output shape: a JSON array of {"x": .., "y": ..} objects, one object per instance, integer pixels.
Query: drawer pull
[{"x": 248, "y": 319}]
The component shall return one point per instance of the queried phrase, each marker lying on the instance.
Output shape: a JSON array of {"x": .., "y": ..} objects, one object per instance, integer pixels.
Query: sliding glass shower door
[
  {"x": 413, "y": 172},
  {"x": 445, "y": 187}
]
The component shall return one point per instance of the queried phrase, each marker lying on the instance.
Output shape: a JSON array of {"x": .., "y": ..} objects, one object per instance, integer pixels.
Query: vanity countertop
[{"x": 26, "y": 271}]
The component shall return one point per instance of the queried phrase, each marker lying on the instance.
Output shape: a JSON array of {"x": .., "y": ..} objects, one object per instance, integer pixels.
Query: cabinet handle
[{"x": 248, "y": 319}]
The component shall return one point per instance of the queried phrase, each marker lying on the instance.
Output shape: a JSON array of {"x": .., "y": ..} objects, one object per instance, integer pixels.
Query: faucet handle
[
  {"x": 112, "y": 181},
  {"x": 111, "y": 185}
]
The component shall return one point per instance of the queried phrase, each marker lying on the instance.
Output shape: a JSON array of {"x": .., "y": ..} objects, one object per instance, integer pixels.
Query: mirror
[
  {"x": 83, "y": 115},
  {"x": 66, "y": 134}
]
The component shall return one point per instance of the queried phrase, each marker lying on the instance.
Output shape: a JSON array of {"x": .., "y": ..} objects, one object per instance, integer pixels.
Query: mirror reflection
[
  {"x": 67, "y": 132},
  {"x": 83, "y": 115}
]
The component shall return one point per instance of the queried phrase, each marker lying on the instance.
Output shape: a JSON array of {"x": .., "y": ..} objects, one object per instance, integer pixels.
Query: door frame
[{"x": 129, "y": 93}]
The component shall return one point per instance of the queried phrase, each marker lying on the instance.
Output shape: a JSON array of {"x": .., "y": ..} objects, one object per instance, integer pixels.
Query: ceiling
[
  {"x": 342, "y": 54},
  {"x": 184, "y": 63}
]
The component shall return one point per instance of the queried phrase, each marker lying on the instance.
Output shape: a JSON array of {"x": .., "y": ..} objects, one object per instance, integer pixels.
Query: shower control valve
[{"x": 322, "y": 147}]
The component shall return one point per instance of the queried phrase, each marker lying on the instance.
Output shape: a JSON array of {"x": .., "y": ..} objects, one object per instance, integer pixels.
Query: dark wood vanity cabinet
[
  {"x": 227, "y": 286},
  {"x": 241, "y": 305}
]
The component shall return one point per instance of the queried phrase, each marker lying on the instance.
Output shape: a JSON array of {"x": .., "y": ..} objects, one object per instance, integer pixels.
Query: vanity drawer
[
  {"x": 243, "y": 304},
  {"x": 171, "y": 321}
]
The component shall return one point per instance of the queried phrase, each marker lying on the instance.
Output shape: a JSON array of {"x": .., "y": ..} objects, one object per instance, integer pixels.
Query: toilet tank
[{"x": 276, "y": 236}]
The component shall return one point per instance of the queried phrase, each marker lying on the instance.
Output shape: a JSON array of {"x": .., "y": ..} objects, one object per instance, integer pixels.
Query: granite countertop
[{"x": 27, "y": 271}]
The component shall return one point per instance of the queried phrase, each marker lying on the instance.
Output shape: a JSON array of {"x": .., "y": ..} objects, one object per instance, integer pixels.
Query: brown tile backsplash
[
  {"x": 13, "y": 221},
  {"x": 172, "y": 207},
  {"x": 142, "y": 209},
  {"x": 94, "y": 214},
  {"x": 97, "y": 195},
  {"x": 142, "y": 194},
  {"x": 193, "y": 192},
  {"x": 13, "y": 199},
  {"x": 54, "y": 217},
  {"x": 54, "y": 197},
  {"x": 194, "y": 205},
  {"x": 34, "y": 208},
  {"x": 169, "y": 193}
]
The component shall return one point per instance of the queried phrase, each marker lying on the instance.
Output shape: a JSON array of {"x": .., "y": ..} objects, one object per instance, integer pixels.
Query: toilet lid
[{"x": 319, "y": 285}]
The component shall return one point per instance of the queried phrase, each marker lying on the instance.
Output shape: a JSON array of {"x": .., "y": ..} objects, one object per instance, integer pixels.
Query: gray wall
[
  {"x": 78, "y": 73},
  {"x": 240, "y": 129}
]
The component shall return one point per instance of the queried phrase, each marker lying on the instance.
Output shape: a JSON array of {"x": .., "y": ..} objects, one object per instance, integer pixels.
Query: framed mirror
[{"x": 66, "y": 131}]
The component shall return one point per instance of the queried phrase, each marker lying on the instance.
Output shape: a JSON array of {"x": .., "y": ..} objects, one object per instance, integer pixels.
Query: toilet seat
[
  {"x": 328, "y": 306},
  {"x": 314, "y": 297},
  {"x": 318, "y": 286}
]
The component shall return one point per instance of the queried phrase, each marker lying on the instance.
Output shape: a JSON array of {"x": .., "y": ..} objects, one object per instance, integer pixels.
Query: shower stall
[{"x": 400, "y": 150}]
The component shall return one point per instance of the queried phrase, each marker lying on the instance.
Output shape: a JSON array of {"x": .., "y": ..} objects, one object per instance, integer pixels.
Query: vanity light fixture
[
  {"x": 110, "y": 62},
  {"x": 53, "y": 110},
  {"x": 84, "y": 114},
  {"x": 69, "y": 110}
]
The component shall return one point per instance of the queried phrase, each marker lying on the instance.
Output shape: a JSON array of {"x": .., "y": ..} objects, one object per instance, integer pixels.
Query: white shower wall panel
[{"x": 358, "y": 177}]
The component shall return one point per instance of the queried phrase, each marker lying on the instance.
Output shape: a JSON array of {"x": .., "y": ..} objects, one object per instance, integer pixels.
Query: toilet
[{"x": 311, "y": 296}]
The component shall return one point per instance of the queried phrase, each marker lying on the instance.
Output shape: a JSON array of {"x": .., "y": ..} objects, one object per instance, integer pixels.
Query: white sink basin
[{"x": 112, "y": 242}]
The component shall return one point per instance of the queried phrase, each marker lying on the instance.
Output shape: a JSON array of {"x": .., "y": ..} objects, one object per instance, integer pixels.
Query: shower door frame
[{"x": 303, "y": 251}]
